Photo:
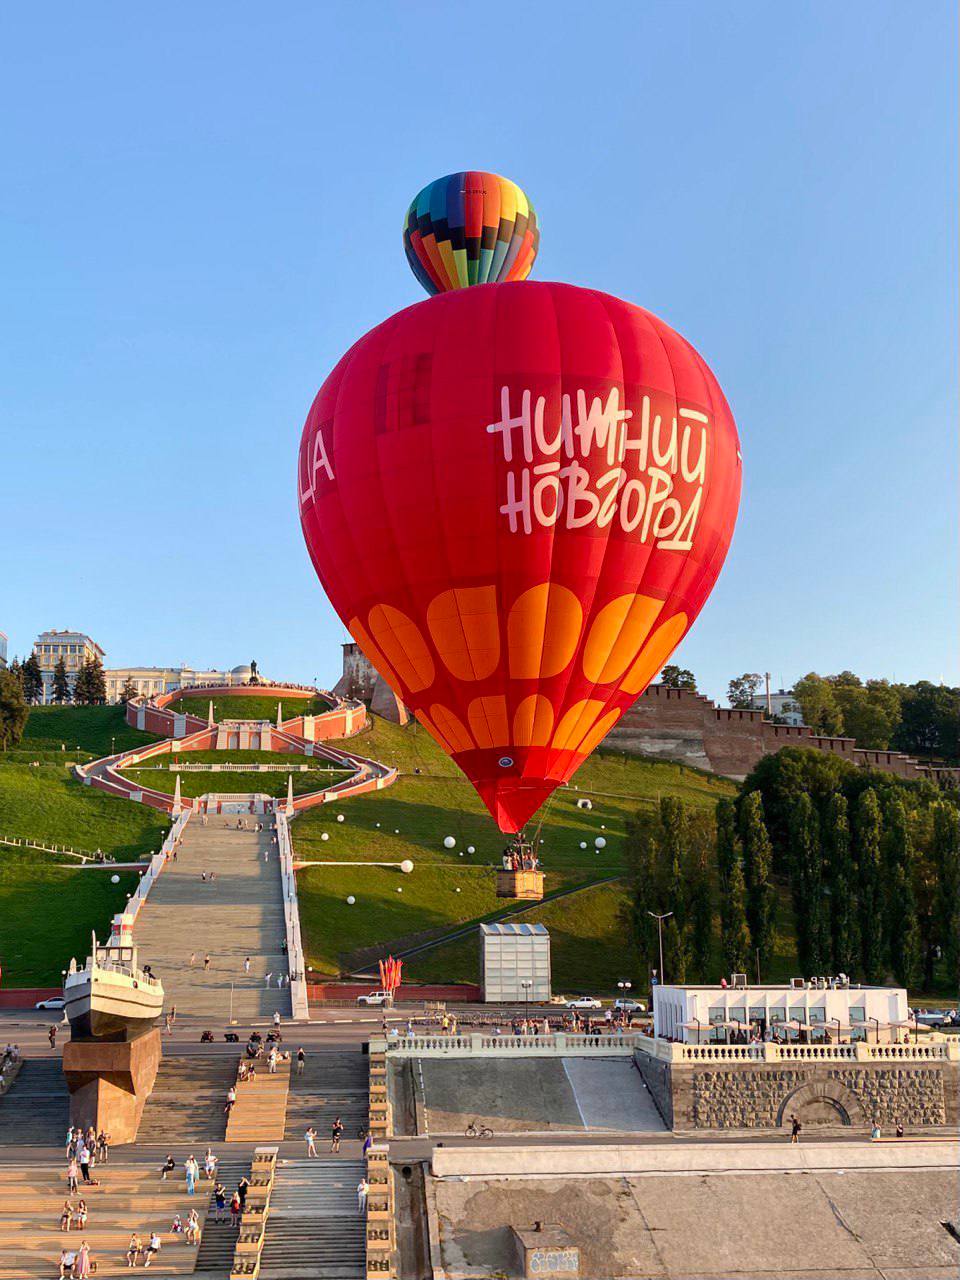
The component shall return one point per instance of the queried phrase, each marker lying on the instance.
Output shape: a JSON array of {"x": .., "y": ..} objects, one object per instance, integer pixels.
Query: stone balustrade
[
  {"x": 381, "y": 1220},
  {"x": 936, "y": 1049},
  {"x": 557, "y": 1043},
  {"x": 253, "y": 1224}
]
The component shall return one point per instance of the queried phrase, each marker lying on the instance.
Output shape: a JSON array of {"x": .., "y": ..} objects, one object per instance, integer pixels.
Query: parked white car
[
  {"x": 585, "y": 1002},
  {"x": 52, "y": 1002},
  {"x": 375, "y": 998},
  {"x": 630, "y": 1006}
]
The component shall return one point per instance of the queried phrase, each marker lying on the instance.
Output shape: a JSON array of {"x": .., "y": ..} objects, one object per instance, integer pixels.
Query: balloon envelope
[
  {"x": 470, "y": 228},
  {"x": 518, "y": 498}
]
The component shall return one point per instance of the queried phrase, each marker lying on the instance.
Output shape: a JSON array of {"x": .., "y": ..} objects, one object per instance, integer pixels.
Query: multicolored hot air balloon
[
  {"x": 518, "y": 498},
  {"x": 470, "y": 228}
]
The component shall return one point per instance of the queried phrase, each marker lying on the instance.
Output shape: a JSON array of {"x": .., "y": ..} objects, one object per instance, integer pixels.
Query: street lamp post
[
  {"x": 660, "y": 919},
  {"x": 526, "y": 984}
]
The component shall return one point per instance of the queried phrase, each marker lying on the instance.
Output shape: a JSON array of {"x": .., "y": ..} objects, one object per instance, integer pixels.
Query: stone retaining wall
[{"x": 748, "y": 1096}]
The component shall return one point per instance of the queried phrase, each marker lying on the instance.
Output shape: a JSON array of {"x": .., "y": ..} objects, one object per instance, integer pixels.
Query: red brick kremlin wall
[{"x": 675, "y": 724}]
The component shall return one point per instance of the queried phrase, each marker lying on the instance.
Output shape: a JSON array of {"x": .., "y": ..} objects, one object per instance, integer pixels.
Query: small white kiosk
[{"x": 516, "y": 963}]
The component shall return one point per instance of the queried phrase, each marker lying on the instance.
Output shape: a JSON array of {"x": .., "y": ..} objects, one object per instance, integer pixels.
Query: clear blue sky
[{"x": 200, "y": 210}]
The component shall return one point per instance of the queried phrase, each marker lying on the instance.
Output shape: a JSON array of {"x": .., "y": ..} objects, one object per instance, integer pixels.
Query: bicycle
[{"x": 473, "y": 1130}]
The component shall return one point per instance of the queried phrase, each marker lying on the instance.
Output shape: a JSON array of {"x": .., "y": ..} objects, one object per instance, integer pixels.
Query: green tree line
[{"x": 871, "y": 864}]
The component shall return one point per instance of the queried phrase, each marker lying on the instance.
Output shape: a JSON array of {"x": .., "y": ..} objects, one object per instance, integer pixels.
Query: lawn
[
  {"x": 48, "y": 804},
  {"x": 438, "y": 802},
  {"x": 590, "y": 945},
  {"x": 95, "y": 730},
  {"x": 254, "y": 707},
  {"x": 46, "y": 915},
  {"x": 411, "y": 819}
]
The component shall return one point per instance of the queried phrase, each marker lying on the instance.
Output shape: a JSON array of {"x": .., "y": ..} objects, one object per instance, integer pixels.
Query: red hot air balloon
[{"x": 518, "y": 497}]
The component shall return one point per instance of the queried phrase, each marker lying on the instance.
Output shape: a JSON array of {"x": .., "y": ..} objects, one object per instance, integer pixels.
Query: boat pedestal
[{"x": 110, "y": 1081}]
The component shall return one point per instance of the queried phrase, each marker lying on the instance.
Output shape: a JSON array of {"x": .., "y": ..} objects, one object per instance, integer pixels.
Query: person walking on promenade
[
  {"x": 246, "y": 965},
  {"x": 52, "y": 1037},
  {"x": 795, "y": 1127},
  {"x": 310, "y": 1137},
  {"x": 83, "y": 1159},
  {"x": 243, "y": 1186},
  {"x": 220, "y": 1200},
  {"x": 103, "y": 1146},
  {"x": 231, "y": 1099},
  {"x": 210, "y": 1164},
  {"x": 235, "y": 1211},
  {"x": 193, "y": 958},
  {"x": 206, "y": 961},
  {"x": 191, "y": 1173},
  {"x": 363, "y": 1190},
  {"x": 301, "y": 1058},
  {"x": 192, "y": 1234},
  {"x": 73, "y": 1174},
  {"x": 266, "y": 979},
  {"x": 168, "y": 1024},
  {"x": 336, "y": 1133},
  {"x": 276, "y": 1012}
]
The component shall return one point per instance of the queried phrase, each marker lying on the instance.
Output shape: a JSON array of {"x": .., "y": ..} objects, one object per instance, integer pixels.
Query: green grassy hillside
[
  {"x": 93, "y": 730},
  {"x": 46, "y": 913},
  {"x": 411, "y": 819}
]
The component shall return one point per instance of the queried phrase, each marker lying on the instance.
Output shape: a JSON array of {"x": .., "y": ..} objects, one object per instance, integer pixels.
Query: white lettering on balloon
[
  {"x": 601, "y": 464},
  {"x": 313, "y": 462}
]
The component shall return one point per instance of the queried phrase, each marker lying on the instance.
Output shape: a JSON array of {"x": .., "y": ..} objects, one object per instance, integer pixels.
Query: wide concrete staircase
[
  {"x": 237, "y": 915},
  {"x": 334, "y": 1083},
  {"x": 215, "y": 1254},
  {"x": 130, "y": 1198},
  {"x": 35, "y": 1110},
  {"x": 260, "y": 1109},
  {"x": 314, "y": 1228},
  {"x": 187, "y": 1101}
]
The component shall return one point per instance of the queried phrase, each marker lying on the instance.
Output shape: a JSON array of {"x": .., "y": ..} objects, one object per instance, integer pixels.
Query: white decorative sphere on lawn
[
  {"x": 583, "y": 844},
  {"x": 406, "y": 866},
  {"x": 461, "y": 853},
  {"x": 339, "y": 817},
  {"x": 350, "y": 900},
  {"x": 449, "y": 842},
  {"x": 324, "y": 835},
  {"x": 600, "y": 843},
  {"x": 399, "y": 890},
  {"x": 456, "y": 891},
  {"x": 377, "y": 824},
  {"x": 396, "y": 831},
  {"x": 114, "y": 879},
  {"x": 471, "y": 849}
]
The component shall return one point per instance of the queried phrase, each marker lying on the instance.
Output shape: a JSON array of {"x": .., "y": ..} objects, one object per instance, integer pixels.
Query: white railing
[
  {"x": 508, "y": 1046},
  {"x": 157, "y": 863},
  {"x": 291, "y": 917},
  {"x": 859, "y": 1051}
]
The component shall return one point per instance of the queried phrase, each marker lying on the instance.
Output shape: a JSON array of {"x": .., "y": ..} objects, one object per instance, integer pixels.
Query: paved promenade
[{"x": 238, "y": 914}]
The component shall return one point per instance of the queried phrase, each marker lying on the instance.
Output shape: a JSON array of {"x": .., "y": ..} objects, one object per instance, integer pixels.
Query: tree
[
  {"x": 32, "y": 678},
  {"x": 16, "y": 670},
  {"x": 902, "y": 926},
  {"x": 90, "y": 687},
  {"x": 742, "y": 689},
  {"x": 678, "y": 678},
  {"x": 946, "y": 860},
  {"x": 758, "y": 866},
  {"x": 734, "y": 932},
  {"x": 871, "y": 712},
  {"x": 867, "y": 831},
  {"x": 929, "y": 720},
  {"x": 13, "y": 710},
  {"x": 806, "y": 879},
  {"x": 818, "y": 702},
  {"x": 61, "y": 687},
  {"x": 128, "y": 691},
  {"x": 842, "y": 883}
]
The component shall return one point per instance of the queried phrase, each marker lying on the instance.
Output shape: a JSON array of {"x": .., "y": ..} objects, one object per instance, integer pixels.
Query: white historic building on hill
[{"x": 155, "y": 680}]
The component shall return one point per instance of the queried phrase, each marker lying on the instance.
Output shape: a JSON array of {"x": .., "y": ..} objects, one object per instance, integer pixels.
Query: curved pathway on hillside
[{"x": 306, "y": 735}]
